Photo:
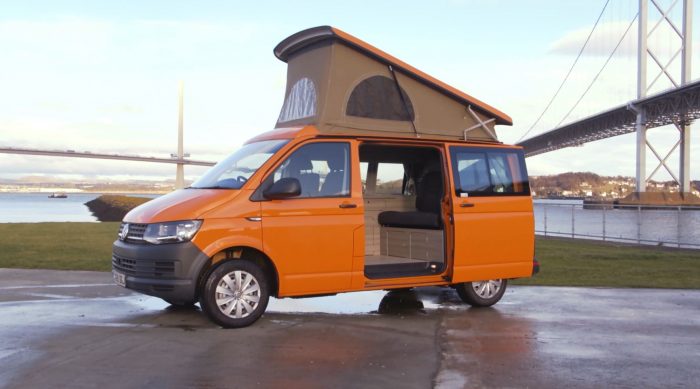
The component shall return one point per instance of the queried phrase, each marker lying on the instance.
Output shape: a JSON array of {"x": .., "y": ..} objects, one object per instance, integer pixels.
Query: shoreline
[{"x": 69, "y": 192}]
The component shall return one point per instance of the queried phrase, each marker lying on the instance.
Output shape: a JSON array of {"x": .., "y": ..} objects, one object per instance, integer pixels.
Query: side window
[
  {"x": 300, "y": 102},
  {"x": 486, "y": 172},
  {"x": 323, "y": 169},
  {"x": 390, "y": 178}
]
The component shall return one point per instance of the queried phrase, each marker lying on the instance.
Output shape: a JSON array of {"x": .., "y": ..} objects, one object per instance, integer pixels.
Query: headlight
[{"x": 172, "y": 232}]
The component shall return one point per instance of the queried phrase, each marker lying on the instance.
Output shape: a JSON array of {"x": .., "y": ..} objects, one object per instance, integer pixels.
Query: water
[
  {"x": 667, "y": 227},
  {"x": 38, "y": 207}
]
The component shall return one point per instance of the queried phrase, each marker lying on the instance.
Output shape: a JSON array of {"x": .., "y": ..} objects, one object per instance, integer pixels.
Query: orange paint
[{"x": 317, "y": 246}]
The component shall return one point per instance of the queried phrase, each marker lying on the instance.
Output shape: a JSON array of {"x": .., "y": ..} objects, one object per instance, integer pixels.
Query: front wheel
[
  {"x": 482, "y": 293},
  {"x": 235, "y": 294}
]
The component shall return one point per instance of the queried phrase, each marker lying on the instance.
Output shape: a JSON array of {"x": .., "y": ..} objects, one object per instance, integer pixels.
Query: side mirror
[{"x": 283, "y": 189}]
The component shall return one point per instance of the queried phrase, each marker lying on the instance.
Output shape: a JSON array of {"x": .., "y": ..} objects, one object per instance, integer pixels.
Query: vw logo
[{"x": 124, "y": 232}]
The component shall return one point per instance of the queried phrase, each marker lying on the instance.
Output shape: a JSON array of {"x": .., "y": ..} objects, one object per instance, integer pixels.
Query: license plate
[{"x": 119, "y": 278}]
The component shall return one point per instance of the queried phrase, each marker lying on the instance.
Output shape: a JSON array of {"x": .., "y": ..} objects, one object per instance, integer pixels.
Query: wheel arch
[{"x": 235, "y": 253}]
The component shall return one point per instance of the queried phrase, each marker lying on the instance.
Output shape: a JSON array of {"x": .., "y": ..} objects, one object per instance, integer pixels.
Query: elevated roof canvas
[{"x": 341, "y": 85}]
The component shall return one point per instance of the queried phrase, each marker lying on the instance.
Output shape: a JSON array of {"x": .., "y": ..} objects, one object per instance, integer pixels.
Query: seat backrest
[
  {"x": 333, "y": 184},
  {"x": 429, "y": 192},
  {"x": 300, "y": 167}
]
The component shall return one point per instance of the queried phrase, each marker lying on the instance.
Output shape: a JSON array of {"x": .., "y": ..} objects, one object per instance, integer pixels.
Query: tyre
[
  {"x": 482, "y": 293},
  {"x": 235, "y": 294}
]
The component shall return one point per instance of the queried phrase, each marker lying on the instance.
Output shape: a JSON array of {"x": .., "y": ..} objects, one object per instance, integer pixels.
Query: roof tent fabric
[{"x": 343, "y": 85}]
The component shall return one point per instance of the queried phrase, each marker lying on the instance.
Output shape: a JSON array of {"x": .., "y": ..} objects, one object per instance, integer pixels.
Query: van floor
[{"x": 383, "y": 266}]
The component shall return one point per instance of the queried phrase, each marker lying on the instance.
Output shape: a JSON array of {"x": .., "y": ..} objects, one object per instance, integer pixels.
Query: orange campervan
[{"x": 377, "y": 176}]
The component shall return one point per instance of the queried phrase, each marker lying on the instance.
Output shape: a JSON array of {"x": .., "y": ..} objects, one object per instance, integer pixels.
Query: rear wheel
[
  {"x": 482, "y": 293},
  {"x": 235, "y": 294}
]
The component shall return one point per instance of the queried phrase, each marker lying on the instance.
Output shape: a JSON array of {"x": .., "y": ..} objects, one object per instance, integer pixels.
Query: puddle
[{"x": 397, "y": 302}]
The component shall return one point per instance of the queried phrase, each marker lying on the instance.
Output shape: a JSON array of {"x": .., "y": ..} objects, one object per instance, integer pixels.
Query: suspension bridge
[
  {"x": 677, "y": 106},
  {"x": 665, "y": 94}
]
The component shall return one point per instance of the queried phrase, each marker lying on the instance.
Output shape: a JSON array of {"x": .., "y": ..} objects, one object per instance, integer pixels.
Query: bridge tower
[
  {"x": 180, "y": 170},
  {"x": 644, "y": 52}
]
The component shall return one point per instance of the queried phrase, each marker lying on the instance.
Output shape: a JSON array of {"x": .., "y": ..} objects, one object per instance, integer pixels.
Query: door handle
[
  {"x": 348, "y": 205},
  {"x": 466, "y": 205}
]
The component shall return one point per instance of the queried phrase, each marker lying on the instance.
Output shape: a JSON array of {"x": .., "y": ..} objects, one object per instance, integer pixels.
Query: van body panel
[
  {"x": 183, "y": 204},
  {"x": 493, "y": 243},
  {"x": 313, "y": 240},
  {"x": 318, "y": 247},
  {"x": 218, "y": 234},
  {"x": 494, "y": 234}
]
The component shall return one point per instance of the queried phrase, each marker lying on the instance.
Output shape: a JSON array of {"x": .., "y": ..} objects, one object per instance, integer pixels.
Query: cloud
[
  {"x": 663, "y": 40},
  {"x": 602, "y": 41}
]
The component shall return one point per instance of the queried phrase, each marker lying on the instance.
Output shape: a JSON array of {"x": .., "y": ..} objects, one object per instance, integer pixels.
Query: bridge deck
[
  {"x": 680, "y": 105},
  {"x": 86, "y": 154}
]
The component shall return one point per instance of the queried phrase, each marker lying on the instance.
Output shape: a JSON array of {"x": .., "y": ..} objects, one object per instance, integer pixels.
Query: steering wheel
[{"x": 241, "y": 179}]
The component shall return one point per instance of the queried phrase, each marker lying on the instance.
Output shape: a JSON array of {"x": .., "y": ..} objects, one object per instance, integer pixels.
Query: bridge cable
[
  {"x": 568, "y": 73},
  {"x": 600, "y": 71}
]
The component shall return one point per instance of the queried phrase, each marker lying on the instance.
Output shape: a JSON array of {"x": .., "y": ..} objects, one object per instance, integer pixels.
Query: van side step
[{"x": 396, "y": 270}]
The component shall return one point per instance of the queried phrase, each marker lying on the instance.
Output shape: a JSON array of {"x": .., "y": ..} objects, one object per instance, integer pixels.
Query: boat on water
[{"x": 58, "y": 195}]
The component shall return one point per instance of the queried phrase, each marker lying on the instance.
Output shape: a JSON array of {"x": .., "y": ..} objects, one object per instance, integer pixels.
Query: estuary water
[
  {"x": 38, "y": 207},
  {"x": 552, "y": 217}
]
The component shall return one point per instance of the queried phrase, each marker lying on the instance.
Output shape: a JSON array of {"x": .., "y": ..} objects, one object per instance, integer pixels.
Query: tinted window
[
  {"x": 486, "y": 172},
  {"x": 323, "y": 169}
]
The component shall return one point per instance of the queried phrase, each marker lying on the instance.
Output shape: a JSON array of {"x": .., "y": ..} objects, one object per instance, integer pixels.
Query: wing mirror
[{"x": 284, "y": 188}]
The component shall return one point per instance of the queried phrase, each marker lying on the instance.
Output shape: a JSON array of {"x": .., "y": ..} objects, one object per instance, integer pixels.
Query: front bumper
[{"x": 168, "y": 271}]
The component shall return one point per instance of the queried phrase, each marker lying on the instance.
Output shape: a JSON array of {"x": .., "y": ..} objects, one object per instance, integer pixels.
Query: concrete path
[{"x": 77, "y": 330}]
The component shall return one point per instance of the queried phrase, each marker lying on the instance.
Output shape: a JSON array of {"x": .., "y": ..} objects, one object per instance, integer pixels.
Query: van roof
[
  {"x": 312, "y": 131},
  {"x": 345, "y": 86},
  {"x": 312, "y": 36}
]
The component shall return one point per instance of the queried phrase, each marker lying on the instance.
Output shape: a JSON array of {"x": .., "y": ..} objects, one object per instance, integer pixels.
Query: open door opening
[{"x": 403, "y": 190}]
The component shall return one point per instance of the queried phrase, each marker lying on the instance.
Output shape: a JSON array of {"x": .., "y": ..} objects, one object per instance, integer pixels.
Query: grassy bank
[
  {"x": 63, "y": 246},
  {"x": 569, "y": 262},
  {"x": 565, "y": 262}
]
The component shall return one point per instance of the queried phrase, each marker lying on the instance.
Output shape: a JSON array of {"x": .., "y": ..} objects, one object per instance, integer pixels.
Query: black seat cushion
[
  {"x": 427, "y": 204},
  {"x": 414, "y": 219}
]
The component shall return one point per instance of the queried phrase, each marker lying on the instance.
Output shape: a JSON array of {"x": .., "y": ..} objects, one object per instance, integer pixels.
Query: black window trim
[
  {"x": 455, "y": 173},
  {"x": 257, "y": 196}
]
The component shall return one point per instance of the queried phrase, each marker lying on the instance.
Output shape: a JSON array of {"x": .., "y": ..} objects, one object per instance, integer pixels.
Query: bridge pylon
[
  {"x": 180, "y": 169},
  {"x": 644, "y": 53}
]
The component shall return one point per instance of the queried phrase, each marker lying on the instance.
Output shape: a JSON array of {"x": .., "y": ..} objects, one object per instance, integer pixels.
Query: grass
[
  {"x": 569, "y": 262},
  {"x": 564, "y": 262},
  {"x": 62, "y": 246}
]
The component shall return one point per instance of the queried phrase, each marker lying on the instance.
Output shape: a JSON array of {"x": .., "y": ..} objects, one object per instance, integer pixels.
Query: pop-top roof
[{"x": 339, "y": 83}]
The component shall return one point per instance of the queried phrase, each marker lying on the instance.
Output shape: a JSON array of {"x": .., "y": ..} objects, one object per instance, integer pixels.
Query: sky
[{"x": 103, "y": 76}]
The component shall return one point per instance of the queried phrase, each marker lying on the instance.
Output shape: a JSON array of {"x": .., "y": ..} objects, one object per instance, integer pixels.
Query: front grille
[
  {"x": 135, "y": 234},
  {"x": 145, "y": 268}
]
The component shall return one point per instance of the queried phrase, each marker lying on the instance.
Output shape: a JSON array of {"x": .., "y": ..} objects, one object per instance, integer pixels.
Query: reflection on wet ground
[
  {"x": 398, "y": 302},
  {"x": 75, "y": 329}
]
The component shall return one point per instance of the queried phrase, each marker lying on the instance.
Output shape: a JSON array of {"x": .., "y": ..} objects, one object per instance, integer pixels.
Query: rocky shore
[{"x": 113, "y": 208}]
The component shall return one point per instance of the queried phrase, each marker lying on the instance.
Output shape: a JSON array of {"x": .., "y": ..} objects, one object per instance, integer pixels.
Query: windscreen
[{"x": 236, "y": 169}]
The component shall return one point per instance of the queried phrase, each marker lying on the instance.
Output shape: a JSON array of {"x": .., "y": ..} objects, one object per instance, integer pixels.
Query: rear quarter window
[{"x": 489, "y": 172}]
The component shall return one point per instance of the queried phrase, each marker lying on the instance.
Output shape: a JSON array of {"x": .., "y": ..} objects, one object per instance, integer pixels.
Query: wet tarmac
[{"x": 77, "y": 330}]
